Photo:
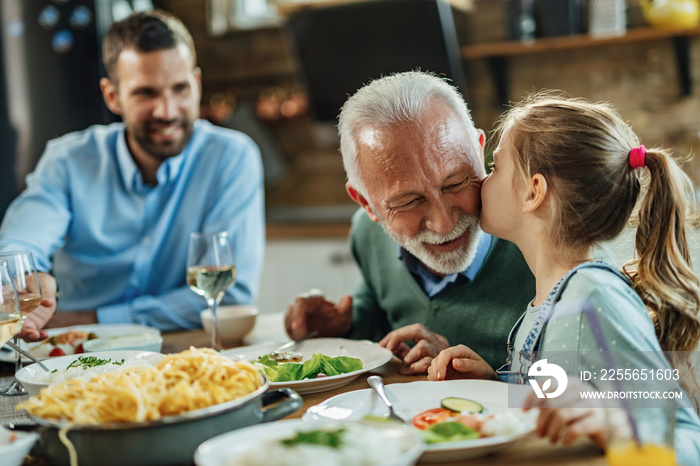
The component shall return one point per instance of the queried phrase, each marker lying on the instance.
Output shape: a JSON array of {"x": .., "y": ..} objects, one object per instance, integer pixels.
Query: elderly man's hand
[
  {"x": 312, "y": 311},
  {"x": 416, "y": 360},
  {"x": 37, "y": 319},
  {"x": 460, "y": 362}
]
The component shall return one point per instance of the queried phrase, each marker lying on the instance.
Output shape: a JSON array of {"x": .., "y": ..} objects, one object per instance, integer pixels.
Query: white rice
[
  {"x": 362, "y": 446},
  {"x": 512, "y": 422},
  {"x": 63, "y": 375}
]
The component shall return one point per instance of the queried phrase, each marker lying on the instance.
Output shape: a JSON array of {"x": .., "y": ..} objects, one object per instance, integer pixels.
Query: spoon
[
  {"x": 27, "y": 354},
  {"x": 377, "y": 384}
]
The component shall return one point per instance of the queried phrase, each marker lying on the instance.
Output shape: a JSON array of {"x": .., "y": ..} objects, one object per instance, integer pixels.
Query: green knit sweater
[{"x": 478, "y": 314}]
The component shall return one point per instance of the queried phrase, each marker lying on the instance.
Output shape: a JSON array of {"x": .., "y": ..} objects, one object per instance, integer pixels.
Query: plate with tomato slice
[
  {"x": 66, "y": 341},
  {"x": 459, "y": 419}
]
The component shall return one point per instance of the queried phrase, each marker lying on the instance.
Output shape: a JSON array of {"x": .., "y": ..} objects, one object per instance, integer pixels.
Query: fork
[
  {"x": 292, "y": 343},
  {"x": 377, "y": 384},
  {"x": 27, "y": 354}
]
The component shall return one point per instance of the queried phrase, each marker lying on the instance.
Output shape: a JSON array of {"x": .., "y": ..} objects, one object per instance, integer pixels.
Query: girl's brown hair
[{"x": 582, "y": 149}]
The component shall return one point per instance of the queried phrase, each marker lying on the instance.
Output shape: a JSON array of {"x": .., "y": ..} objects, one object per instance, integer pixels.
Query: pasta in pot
[{"x": 193, "y": 379}]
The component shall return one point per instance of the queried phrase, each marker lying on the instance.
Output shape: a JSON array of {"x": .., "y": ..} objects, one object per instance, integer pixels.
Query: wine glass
[
  {"x": 210, "y": 272},
  {"x": 23, "y": 272},
  {"x": 10, "y": 319}
]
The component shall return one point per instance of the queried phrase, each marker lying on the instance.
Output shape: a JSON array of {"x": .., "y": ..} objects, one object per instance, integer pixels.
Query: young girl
[{"x": 566, "y": 176}]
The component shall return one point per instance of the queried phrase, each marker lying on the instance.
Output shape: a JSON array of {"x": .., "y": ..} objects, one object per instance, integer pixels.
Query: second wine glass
[
  {"x": 210, "y": 272},
  {"x": 10, "y": 315},
  {"x": 23, "y": 272}
]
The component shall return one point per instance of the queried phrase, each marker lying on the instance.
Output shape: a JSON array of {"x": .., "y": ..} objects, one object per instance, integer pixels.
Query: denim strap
[{"x": 517, "y": 373}]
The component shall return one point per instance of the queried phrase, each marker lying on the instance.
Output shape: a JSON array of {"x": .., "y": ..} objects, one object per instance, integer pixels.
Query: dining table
[{"x": 528, "y": 451}]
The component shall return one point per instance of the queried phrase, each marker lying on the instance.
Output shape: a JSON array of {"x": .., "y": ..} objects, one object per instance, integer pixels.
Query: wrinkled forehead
[
  {"x": 439, "y": 131},
  {"x": 449, "y": 126}
]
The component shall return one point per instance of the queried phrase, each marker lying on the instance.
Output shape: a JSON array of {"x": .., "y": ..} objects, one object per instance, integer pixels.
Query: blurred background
[{"x": 280, "y": 69}]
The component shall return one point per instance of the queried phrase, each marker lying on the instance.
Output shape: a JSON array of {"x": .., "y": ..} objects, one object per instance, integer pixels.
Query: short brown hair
[{"x": 144, "y": 31}]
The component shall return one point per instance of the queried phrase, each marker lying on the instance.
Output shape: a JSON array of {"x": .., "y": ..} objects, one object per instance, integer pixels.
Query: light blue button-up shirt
[
  {"x": 119, "y": 245},
  {"x": 432, "y": 284}
]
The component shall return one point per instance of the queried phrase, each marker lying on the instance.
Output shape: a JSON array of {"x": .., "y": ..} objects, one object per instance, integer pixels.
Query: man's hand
[
  {"x": 311, "y": 312},
  {"x": 416, "y": 360},
  {"x": 37, "y": 319},
  {"x": 460, "y": 362}
]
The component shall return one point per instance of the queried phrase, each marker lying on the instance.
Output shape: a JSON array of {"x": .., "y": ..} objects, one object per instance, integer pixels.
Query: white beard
[{"x": 444, "y": 263}]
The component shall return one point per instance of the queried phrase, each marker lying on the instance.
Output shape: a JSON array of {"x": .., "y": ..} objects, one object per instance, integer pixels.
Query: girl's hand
[
  {"x": 460, "y": 362},
  {"x": 569, "y": 417},
  {"x": 570, "y": 424}
]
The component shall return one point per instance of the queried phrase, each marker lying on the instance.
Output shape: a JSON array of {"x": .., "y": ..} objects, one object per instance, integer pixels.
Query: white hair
[{"x": 389, "y": 101}]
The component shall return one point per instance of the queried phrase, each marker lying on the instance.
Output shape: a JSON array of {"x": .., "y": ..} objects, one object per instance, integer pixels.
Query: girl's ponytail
[{"x": 662, "y": 272}]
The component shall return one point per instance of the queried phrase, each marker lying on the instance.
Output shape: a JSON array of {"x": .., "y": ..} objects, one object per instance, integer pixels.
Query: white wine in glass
[
  {"x": 10, "y": 324},
  {"x": 210, "y": 272},
  {"x": 10, "y": 318},
  {"x": 25, "y": 276},
  {"x": 211, "y": 280}
]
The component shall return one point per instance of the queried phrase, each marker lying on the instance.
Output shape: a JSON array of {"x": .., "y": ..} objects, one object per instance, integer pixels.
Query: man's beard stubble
[
  {"x": 444, "y": 263},
  {"x": 160, "y": 151}
]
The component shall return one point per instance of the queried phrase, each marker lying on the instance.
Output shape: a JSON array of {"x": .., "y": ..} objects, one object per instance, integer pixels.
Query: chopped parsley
[
  {"x": 87, "y": 362},
  {"x": 326, "y": 438}
]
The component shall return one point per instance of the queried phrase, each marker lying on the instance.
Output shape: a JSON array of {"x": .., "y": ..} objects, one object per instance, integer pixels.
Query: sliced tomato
[
  {"x": 432, "y": 416},
  {"x": 79, "y": 349},
  {"x": 57, "y": 352}
]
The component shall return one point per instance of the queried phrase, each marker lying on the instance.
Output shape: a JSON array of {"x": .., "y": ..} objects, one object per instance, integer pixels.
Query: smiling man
[
  {"x": 109, "y": 210},
  {"x": 414, "y": 162}
]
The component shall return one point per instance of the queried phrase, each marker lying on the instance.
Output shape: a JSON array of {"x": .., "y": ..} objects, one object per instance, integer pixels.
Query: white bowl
[
  {"x": 399, "y": 445},
  {"x": 148, "y": 341},
  {"x": 32, "y": 376},
  {"x": 15, "y": 446},
  {"x": 234, "y": 322}
]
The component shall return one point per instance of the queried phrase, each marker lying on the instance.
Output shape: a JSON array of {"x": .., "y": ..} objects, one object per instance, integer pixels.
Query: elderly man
[
  {"x": 414, "y": 162},
  {"x": 109, "y": 210}
]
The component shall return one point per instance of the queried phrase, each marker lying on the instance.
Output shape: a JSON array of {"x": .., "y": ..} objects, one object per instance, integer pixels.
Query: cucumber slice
[{"x": 461, "y": 405}]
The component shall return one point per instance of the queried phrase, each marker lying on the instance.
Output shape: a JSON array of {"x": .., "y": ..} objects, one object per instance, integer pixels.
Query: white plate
[
  {"x": 412, "y": 398},
  {"x": 225, "y": 448},
  {"x": 101, "y": 330},
  {"x": 15, "y": 446},
  {"x": 28, "y": 374},
  {"x": 371, "y": 354}
]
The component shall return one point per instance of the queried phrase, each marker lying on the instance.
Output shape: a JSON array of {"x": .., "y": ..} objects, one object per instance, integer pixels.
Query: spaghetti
[{"x": 193, "y": 379}]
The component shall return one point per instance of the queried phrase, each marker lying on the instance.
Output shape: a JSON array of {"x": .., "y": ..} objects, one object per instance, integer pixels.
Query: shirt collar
[
  {"x": 168, "y": 170},
  {"x": 127, "y": 166},
  {"x": 482, "y": 251},
  {"x": 433, "y": 284}
]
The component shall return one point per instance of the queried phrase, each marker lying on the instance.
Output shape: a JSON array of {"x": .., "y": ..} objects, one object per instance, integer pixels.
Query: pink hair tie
[{"x": 638, "y": 156}]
